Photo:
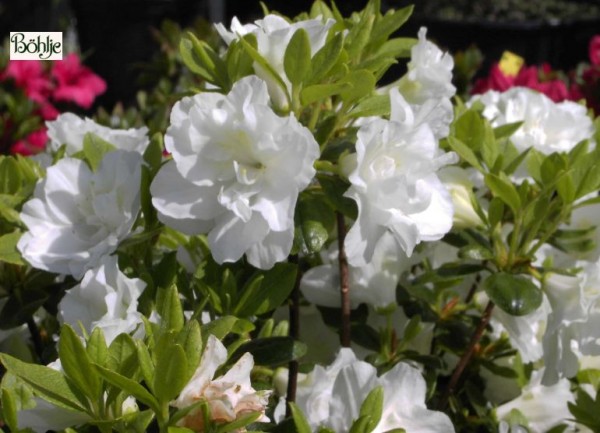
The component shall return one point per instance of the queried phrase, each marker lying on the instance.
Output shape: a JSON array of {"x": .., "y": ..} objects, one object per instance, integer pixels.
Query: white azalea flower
[
  {"x": 374, "y": 283},
  {"x": 395, "y": 184},
  {"x": 547, "y": 126},
  {"x": 77, "y": 216},
  {"x": 273, "y": 34},
  {"x": 229, "y": 397},
  {"x": 456, "y": 180},
  {"x": 331, "y": 397},
  {"x": 70, "y": 129},
  {"x": 236, "y": 173},
  {"x": 543, "y": 406},
  {"x": 427, "y": 85},
  {"x": 104, "y": 299}
]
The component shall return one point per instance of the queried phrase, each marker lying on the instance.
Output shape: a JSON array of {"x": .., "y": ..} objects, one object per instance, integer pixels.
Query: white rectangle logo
[{"x": 36, "y": 46}]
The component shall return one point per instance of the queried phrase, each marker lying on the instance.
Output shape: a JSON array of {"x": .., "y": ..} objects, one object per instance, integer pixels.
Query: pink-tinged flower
[
  {"x": 48, "y": 111},
  {"x": 32, "y": 144},
  {"x": 29, "y": 75},
  {"x": 594, "y": 50},
  {"x": 495, "y": 81},
  {"x": 75, "y": 82}
]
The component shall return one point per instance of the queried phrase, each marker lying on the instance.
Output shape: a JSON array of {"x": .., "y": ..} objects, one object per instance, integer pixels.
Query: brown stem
[
  {"x": 294, "y": 310},
  {"x": 464, "y": 360},
  {"x": 473, "y": 289},
  {"x": 344, "y": 281}
]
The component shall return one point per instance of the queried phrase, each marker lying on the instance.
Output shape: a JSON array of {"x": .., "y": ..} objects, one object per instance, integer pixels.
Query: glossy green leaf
[
  {"x": 170, "y": 309},
  {"x": 302, "y": 425},
  {"x": 390, "y": 22},
  {"x": 324, "y": 59},
  {"x": 131, "y": 387},
  {"x": 375, "y": 105},
  {"x": 8, "y": 248},
  {"x": 272, "y": 351},
  {"x": 373, "y": 407},
  {"x": 96, "y": 347},
  {"x": 514, "y": 294},
  {"x": 318, "y": 92},
  {"x": 46, "y": 382},
  {"x": 465, "y": 152},
  {"x": 503, "y": 188},
  {"x": 77, "y": 364},
  {"x": 361, "y": 83},
  {"x": 190, "y": 338},
  {"x": 122, "y": 356},
  {"x": 296, "y": 61},
  {"x": 272, "y": 291},
  {"x": 172, "y": 373}
]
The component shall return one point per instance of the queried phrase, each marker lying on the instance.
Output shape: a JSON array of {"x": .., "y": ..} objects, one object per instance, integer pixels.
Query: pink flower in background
[
  {"x": 29, "y": 75},
  {"x": 34, "y": 143},
  {"x": 497, "y": 80},
  {"x": 594, "y": 50},
  {"x": 75, "y": 82}
]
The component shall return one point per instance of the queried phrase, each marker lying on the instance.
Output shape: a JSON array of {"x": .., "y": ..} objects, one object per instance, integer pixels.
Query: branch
[
  {"x": 344, "y": 281},
  {"x": 294, "y": 310},
  {"x": 464, "y": 360}
]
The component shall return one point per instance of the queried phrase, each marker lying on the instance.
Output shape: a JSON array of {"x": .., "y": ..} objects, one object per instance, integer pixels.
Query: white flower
[
  {"x": 70, "y": 129},
  {"x": 427, "y": 85},
  {"x": 229, "y": 397},
  {"x": 543, "y": 406},
  {"x": 547, "y": 126},
  {"x": 76, "y": 216},
  {"x": 331, "y": 397},
  {"x": 456, "y": 180},
  {"x": 273, "y": 34},
  {"x": 395, "y": 184},
  {"x": 104, "y": 299},
  {"x": 236, "y": 173},
  {"x": 374, "y": 283}
]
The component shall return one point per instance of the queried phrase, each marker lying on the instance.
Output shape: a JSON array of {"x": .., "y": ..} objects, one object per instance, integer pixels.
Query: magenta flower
[
  {"x": 594, "y": 50},
  {"x": 34, "y": 143},
  {"x": 75, "y": 82},
  {"x": 29, "y": 75}
]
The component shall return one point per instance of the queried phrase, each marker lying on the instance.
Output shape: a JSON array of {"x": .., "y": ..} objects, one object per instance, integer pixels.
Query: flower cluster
[{"x": 64, "y": 81}]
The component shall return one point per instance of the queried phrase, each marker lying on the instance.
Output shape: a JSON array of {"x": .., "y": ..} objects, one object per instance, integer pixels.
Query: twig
[
  {"x": 473, "y": 289},
  {"x": 294, "y": 309},
  {"x": 344, "y": 281},
  {"x": 464, "y": 360}
]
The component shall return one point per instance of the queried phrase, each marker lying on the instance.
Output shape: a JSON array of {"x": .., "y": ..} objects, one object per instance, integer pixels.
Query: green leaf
[
  {"x": 373, "y": 407},
  {"x": 296, "y": 61},
  {"x": 302, "y": 425},
  {"x": 222, "y": 326},
  {"x": 318, "y": 92},
  {"x": 77, "y": 364},
  {"x": 364, "y": 424},
  {"x": 375, "y": 105},
  {"x": 239, "y": 62},
  {"x": 96, "y": 347},
  {"x": 264, "y": 64},
  {"x": 324, "y": 59},
  {"x": 514, "y": 294},
  {"x": 470, "y": 129},
  {"x": 390, "y": 22},
  {"x": 49, "y": 384},
  {"x": 190, "y": 338},
  {"x": 566, "y": 187},
  {"x": 8, "y": 248},
  {"x": 201, "y": 59},
  {"x": 495, "y": 211},
  {"x": 154, "y": 153},
  {"x": 316, "y": 219},
  {"x": 122, "y": 355},
  {"x": 359, "y": 35},
  {"x": 171, "y": 312},
  {"x": 145, "y": 363},
  {"x": 334, "y": 188},
  {"x": 362, "y": 83},
  {"x": 94, "y": 149},
  {"x": 397, "y": 47},
  {"x": 503, "y": 188},
  {"x": 9, "y": 409},
  {"x": 270, "y": 293},
  {"x": 10, "y": 175},
  {"x": 239, "y": 423},
  {"x": 464, "y": 152},
  {"x": 131, "y": 387},
  {"x": 507, "y": 130},
  {"x": 172, "y": 369},
  {"x": 272, "y": 351}
]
